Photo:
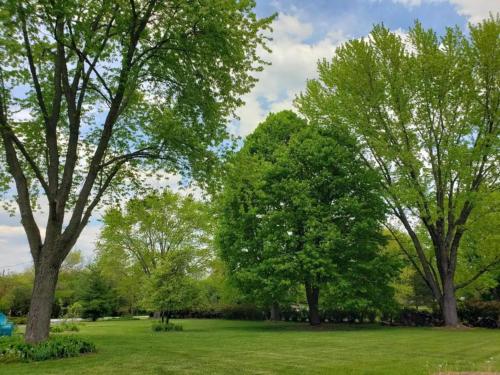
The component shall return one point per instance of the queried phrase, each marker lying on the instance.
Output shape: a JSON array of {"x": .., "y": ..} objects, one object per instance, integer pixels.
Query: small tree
[
  {"x": 97, "y": 297},
  {"x": 171, "y": 286}
]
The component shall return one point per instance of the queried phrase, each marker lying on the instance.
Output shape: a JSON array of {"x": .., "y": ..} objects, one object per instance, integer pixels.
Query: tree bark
[
  {"x": 449, "y": 303},
  {"x": 275, "y": 312},
  {"x": 42, "y": 300},
  {"x": 312, "y": 294}
]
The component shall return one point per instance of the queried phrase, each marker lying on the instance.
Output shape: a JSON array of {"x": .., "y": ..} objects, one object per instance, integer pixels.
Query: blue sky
[
  {"x": 304, "y": 32},
  {"x": 356, "y": 17}
]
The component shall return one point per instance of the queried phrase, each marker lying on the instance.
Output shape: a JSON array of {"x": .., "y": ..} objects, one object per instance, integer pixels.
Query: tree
[
  {"x": 127, "y": 279},
  {"x": 96, "y": 93},
  {"x": 69, "y": 281},
  {"x": 147, "y": 242},
  {"x": 170, "y": 287},
  {"x": 299, "y": 207},
  {"x": 425, "y": 109},
  {"x": 15, "y": 291},
  {"x": 240, "y": 245},
  {"x": 148, "y": 229},
  {"x": 480, "y": 255},
  {"x": 96, "y": 296}
]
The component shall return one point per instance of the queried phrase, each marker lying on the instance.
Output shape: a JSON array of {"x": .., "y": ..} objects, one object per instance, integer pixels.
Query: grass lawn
[{"x": 237, "y": 347}]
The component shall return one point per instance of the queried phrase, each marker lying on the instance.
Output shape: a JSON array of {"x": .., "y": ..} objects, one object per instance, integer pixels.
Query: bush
[
  {"x": 18, "y": 319},
  {"x": 122, "y": 317},
  {"x": 480, "y": 313},
  {"x": 64, "y": 327},
  {"x": 163, "y": 327},
  {"x": 14, "y": 349},
  {"x": 412, "y": 318},
  {"x": 229, "y": 311},
  {"x": 295, "y": 313}
]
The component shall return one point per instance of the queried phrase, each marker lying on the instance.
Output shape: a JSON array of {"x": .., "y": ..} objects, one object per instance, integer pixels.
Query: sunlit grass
[{"x": 237, "y": 347}]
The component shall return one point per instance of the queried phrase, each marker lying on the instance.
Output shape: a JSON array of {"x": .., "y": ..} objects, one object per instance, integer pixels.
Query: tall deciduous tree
[
  {"x": 299, "y": 207},
  {"x": 91, "y": 92},
  {"x": 426, "y": 110}
]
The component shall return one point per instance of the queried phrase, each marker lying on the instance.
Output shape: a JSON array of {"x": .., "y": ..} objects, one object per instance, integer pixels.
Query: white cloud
[
  {"x": 476, "y": 10},
  {"x": 293, "y": 61},
  {"x": 408, "y": 3}
]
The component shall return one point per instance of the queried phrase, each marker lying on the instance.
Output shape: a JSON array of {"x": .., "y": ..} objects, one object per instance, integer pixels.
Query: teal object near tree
[{"x": 6, "y": 328}]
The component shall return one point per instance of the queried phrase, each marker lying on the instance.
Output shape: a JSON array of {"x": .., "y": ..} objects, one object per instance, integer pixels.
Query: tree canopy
[
  {"x": 304, "y": 211},
  {"x": 148, "y": 229}
]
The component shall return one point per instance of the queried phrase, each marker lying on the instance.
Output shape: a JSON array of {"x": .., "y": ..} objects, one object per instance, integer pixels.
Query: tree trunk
[
  {"x": 312, "y": 294},
  {"x": 275, "y": 312},
  {"x": 449, "y": 304},
  {"x": 42, "y": 299}
]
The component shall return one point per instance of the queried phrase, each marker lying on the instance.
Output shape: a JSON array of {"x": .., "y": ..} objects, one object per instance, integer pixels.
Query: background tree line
[{"x": 144, "y": 267}]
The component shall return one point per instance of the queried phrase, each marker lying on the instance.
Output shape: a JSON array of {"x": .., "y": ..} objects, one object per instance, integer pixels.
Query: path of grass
[{"x": 236, "y": 347}]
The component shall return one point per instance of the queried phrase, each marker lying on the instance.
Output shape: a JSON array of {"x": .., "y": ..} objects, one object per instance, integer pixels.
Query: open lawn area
[{"x": 241, "y": 347}]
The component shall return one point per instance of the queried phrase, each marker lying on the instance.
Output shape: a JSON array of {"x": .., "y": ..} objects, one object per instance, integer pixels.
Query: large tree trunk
[
  {"x": 312, "y": 294},
  {"x": 449, "y": 303},
  {"x": 42, "y": 299},
  {"x": 275, "y": 312}
]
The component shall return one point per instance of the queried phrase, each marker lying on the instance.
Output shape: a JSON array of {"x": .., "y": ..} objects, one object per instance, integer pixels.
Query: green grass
[{"x": 237, "y": 347}]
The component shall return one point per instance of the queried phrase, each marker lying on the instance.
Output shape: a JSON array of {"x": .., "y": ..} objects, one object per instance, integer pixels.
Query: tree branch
[
  {"x": 31, "y": 62},
  {"x": 23, "y": 197},
  {"x": 478, "y": 274}
]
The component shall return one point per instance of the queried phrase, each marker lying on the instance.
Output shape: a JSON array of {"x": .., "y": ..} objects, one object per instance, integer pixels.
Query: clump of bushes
[
  {"x": 484, "y": 314},
  {"x": 14, "y": 349},
  {"x": 164, "y": 327},
  {"x": 122, "y": 318},
  {"x": 229, "y": 311},
  {"x": 64, "y": 327}
]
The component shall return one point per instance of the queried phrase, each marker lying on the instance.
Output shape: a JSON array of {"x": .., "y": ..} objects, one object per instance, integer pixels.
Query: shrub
[
  {"x": 242, "y": 312},
  {"x": 222, "y": 311},
  {"x": 122, "y": 317},
  {"x": 64, "y": 327},
  {"x": 163, "y": 327},
  {"x": 480, "y": 313},
  {"x": 18, "y": 319},
  {"x": 14, "y": 349}
]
